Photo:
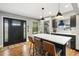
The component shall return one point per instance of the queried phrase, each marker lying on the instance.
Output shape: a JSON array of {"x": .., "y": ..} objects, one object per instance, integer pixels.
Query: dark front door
[{"x": 15, "y": 33}]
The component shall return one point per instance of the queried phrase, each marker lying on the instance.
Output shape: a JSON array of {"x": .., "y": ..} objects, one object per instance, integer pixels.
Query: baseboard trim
[{"x": 1, "y": 46}]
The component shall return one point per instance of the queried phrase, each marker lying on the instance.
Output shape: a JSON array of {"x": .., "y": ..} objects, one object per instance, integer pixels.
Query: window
[
  {"x": 16, "y": 23},
  {"x": 35, "y": 28},
  {"x": 6, "y": 30},
  {"x": 24, "y": 28}
]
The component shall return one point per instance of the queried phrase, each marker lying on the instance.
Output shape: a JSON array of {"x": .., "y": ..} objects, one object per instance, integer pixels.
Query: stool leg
[
  {"x": 33, "y": 49},
  {"x": 30, "y": 45}
]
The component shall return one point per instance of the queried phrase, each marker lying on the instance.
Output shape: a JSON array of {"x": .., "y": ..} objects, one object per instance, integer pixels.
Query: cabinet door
[{"x": 73, "y": 21}]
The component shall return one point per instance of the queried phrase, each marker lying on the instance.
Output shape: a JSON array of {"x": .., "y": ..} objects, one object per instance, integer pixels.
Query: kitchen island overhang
[{"x": 59, "y": 41}]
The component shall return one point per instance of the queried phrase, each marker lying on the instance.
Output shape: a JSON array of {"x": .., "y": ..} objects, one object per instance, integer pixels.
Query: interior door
[{"x": 15, "y": 32}]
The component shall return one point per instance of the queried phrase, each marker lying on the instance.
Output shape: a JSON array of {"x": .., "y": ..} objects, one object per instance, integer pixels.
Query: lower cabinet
[{"x": 72, "y": 41}]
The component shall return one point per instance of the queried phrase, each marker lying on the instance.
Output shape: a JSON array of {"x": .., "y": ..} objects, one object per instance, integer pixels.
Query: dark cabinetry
[
  {"x": 73, "y": 21},
  {"x": 72, "y": 41},
  {"x": 54, "y": 25}
]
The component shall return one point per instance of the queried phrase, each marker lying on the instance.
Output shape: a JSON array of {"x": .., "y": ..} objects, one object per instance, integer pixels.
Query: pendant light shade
[
  {"x": 59, "y": 13},
  {"x": 42, "y": 18},
  {"x": 42, "y": 14}
]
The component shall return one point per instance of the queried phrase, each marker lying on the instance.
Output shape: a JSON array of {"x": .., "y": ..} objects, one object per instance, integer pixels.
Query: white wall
[
  {"x": 10, "y": 15},
  {"x": 77, "y": 32}
]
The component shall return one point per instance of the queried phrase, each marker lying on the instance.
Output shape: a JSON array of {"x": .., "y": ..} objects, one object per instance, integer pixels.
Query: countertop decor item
[{"x": 61, "y": 23}]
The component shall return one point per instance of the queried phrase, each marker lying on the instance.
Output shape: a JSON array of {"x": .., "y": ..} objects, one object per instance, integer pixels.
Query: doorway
[{"x": 14, "y": 31}]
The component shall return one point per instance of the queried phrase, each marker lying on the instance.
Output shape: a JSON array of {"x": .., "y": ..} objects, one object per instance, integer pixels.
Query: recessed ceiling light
[
  {"x": 50, "y": 13},
  {"x": 67, "y": 5},
  {"x": 40, "y": 16}
]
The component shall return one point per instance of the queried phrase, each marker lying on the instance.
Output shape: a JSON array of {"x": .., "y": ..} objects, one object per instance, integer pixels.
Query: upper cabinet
[{"x": 73, "y": 21}]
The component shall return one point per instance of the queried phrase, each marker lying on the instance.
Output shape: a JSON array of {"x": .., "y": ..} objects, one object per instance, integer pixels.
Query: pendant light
[
  {"x": 42, "y": 14},
  {"x": 59, "y": 13}
]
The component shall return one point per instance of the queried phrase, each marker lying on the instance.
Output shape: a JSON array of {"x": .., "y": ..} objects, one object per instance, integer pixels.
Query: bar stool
[
  {"x": 49, "y": 49},
  {"x": 31, "y": 44},
  {"x": 38, "y": 46}
]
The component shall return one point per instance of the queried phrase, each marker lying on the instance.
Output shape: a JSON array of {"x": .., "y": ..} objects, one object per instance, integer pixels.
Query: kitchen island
[
  {"x": 72, "y": 43},
  {"x": 59, "y": 41}
]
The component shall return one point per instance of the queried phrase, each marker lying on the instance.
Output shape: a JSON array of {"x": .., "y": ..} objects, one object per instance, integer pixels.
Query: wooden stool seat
[
  {"x": 31, "y": 44},
  {"x": 50, "y": 49}
]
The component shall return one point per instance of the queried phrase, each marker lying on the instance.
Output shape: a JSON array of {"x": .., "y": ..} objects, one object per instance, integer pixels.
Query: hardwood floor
[
  {"x": 71, "y": 52},
  {"x": 15, "y": 50},
  {"x": 22, "y": 49}
]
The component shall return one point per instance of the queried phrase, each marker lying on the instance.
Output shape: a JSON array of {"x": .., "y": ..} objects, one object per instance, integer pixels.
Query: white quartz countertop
[
  {"x": 65, "y": 33},
  {"x": 54, "y": 38}
]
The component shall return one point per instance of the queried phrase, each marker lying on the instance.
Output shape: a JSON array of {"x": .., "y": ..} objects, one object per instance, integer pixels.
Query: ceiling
[{"x": 34, "y": 9}]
